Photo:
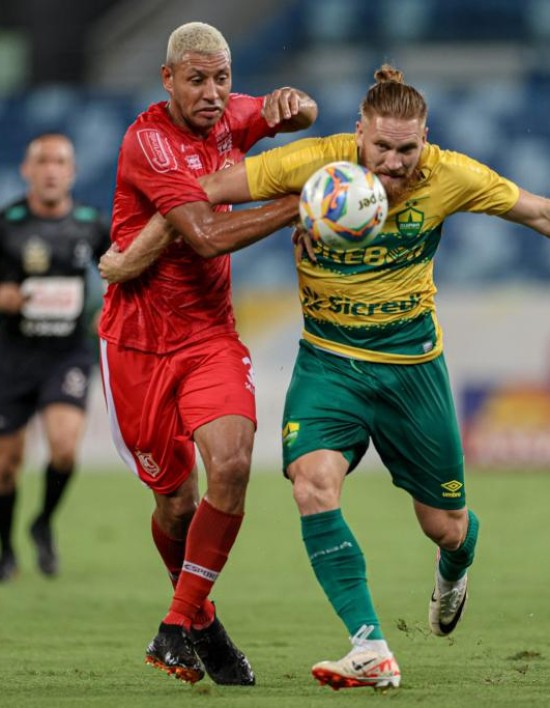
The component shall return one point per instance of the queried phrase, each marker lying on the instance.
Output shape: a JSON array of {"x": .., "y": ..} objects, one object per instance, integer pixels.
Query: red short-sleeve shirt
[{"x": 183, "y": 297}]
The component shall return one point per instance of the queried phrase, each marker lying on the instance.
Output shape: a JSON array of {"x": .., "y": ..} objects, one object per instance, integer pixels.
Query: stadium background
[{"x": 89, "y": 68}]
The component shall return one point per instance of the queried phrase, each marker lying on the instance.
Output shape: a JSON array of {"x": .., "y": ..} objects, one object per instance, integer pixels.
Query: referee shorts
[{"x": 34, "y": 376}]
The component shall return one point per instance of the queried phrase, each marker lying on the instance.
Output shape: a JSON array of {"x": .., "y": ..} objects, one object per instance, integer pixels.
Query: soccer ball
[{"x": 344, "y": 205}]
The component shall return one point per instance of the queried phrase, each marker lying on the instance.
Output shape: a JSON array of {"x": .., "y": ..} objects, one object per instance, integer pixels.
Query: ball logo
[{"x": 343, "y": 205}]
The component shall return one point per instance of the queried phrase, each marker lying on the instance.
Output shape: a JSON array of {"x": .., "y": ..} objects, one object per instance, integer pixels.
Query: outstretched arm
[
  {"x": 288, "y": 108},
  {"x": 531, "y": 210},
  {"x": 229, "y": 186},
  {"x": 209, "y": 233}
]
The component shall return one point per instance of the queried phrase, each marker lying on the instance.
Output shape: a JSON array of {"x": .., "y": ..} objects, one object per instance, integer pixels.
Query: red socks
[
  {"x": 171, "y": 550},
  {"x": 211, "y": 536}
]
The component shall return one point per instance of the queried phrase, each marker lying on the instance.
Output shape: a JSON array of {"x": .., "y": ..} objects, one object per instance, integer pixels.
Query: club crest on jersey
[
  {"x": 36, "y": 255},
  {"x": 148, "y": 463},
  {"x": 157, "y": 150},
  {"x": 409, "y": 222}
]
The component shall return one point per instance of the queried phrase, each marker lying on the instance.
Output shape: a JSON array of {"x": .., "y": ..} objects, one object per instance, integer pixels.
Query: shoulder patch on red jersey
[{"x": 157, "y": 150}]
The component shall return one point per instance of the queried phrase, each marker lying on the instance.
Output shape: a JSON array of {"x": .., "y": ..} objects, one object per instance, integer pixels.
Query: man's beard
[{"x": 396, "y": 192}]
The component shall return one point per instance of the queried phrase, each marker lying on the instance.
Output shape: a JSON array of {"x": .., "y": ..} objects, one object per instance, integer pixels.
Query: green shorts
[{"x": 341, "y": 404}]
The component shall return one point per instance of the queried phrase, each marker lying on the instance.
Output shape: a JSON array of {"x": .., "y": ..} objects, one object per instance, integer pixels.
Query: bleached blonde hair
[{"x": 195, "y": 37}]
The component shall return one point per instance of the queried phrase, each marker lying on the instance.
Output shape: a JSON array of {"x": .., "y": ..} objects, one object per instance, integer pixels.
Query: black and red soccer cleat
[
  {"x": 171, "y": 651},
  {"x": 224, "y": 663}
]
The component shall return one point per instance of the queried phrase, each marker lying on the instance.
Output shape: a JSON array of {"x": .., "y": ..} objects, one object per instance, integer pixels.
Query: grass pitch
[{"x": 79, "y": 639}]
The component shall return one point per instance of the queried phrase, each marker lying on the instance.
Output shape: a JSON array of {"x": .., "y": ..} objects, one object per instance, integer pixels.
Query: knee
[
  {"x": 313, "y": 492},
  {"x": 175, "y": 514},
  {"x": 447, "y": 532},
  {"x": 63, "y": 454},
  {"x": 227, "y": 480},
  {"x": 307, "y": 492},
  {"x": 231, "y": 471}
]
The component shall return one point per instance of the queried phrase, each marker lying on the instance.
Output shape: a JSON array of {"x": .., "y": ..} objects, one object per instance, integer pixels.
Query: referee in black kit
[{"x": 48, "y": 242}]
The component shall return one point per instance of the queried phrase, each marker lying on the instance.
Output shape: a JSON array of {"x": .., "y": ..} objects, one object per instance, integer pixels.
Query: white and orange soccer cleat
[{"x": 361, "y": 667}]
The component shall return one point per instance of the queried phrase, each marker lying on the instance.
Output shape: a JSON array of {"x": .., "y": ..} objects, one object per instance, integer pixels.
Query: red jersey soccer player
[{"x": 174, "y": 370}]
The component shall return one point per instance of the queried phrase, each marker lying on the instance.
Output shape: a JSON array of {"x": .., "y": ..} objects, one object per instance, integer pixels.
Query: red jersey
[{"x": 182, "y": 298}]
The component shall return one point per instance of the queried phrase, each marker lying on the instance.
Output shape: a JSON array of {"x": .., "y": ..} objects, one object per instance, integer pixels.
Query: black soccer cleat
[
  {"x": 224, "y": 663},
  {"x": 171, "y": 651},
  {"x": 8, "y": 566},
  {"x": 47, "y": 560}
]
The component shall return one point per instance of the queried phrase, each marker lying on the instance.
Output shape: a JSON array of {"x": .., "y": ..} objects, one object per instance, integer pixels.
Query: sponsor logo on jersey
[
  {"x": 290, "y": 433},
  {"x": 377, "y": 256},
  {"x": 157, "y": 150},
  {"x": 46, "y": 328},
  {"x": 311, "y": 300},
  {"x": 193, "y": 162},
  {"x": 148, "y": 463},
  {"x": 453, "y": 489},
  {"x": 409, "y": 222},
  {"x": 52, "y": 297},
  {"x": 224, "y": 142},
  {"x": 314, "y": 302}
]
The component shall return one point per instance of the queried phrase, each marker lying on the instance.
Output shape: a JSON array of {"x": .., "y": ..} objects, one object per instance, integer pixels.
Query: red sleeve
[
  {"x": 151, "y": 165},
  {"x": 247, "y": 123}
]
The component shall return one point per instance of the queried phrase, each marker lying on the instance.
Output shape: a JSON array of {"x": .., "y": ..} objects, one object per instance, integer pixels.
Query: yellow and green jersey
[{"x": 377, "y": 303}]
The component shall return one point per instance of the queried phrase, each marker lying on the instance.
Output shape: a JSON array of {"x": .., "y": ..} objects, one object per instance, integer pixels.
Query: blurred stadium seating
[{"x": 484, "y": 69}]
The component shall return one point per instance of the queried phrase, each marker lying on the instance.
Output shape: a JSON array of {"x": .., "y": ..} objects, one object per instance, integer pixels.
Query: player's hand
[
  {"x": 302, "y": 242},
  {"x": 111, "y": 266},
  {"x": 282, "y": 104},
  {"x": 12, "y": 298}
]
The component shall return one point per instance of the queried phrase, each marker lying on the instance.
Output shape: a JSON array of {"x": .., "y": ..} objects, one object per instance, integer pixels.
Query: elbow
[
  {"x": 208, "y": 252},
  {"x": 206, "y": 247},
  {"x": 300, "y": 122}
]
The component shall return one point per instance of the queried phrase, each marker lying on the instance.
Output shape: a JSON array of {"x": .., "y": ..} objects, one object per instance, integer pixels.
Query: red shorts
[{"x": 156, "y": 402}]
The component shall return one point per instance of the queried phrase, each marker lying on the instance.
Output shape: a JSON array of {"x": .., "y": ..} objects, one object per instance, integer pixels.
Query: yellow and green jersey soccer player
[{"x": 371, "y": 363}]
